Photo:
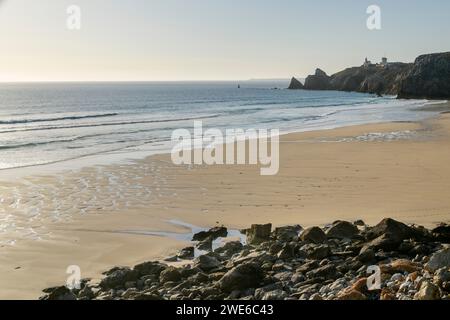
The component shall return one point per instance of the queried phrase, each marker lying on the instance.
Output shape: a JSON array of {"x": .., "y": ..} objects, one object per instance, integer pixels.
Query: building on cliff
[
  {"x": 383, "y": 64},
  {"x": 367, "y": 63}
]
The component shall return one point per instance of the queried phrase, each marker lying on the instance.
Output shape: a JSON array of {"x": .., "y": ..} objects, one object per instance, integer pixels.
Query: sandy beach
[{"x": 369, "y": 172}]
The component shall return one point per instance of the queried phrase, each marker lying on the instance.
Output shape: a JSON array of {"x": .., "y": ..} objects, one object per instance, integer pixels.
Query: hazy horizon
[{"x": 167, "y": 41}]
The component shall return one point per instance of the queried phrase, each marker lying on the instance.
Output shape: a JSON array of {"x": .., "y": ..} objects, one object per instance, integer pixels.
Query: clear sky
[{"x": 210, "y": 39}]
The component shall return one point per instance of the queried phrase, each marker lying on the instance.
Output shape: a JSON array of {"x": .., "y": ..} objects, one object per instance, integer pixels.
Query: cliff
[
  {"x": 319, "y": 81},
  {"x": 295, "y": 84},
  {"x": 428, "y": 77}
]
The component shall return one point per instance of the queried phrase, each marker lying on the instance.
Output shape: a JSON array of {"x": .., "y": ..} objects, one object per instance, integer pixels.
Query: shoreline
[
  {"x": 237, "y": 196},
  {"x": 136, "y": 154}
]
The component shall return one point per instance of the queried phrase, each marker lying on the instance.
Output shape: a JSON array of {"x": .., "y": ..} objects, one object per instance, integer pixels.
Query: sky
[{"x": 172, "y": 40}]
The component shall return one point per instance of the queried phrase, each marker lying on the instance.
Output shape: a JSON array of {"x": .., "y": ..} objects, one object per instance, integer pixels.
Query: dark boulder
[
  {"x": 314, "y": 235},
  {"x": 230, "y": 248},
  {"x": 205, "y": 244},
  {"x": 244, "y": 276},
  {"x": 149, "y": 268},
  {"x": 342, "y": 230},
  {"x": 187, "y": 253},
  {"x": 259, "y": 233},
  {"x": 217, "y": 232},
  {"x": 170, "y": 274},
  {"x": 117, "y": 277},
  {"x": 207, "y": 263},
  {"x": 287, "y": 252},
  {"x": 395, "y": 229},
  {"x": 442, "y": 233},
  {"x": 58, "y": 293},
  {"x": 385, "y": 242},
  {"x": 287, "y": 233}
]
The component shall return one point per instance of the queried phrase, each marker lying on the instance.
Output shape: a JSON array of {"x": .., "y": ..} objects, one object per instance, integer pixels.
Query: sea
[{"x": 46, "y": 123}]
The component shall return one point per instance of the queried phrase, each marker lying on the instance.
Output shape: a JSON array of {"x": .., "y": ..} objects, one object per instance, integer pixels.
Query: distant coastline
[{"x": 426, "y": 78}]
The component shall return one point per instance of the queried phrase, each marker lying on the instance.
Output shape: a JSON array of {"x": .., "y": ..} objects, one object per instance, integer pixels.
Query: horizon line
[{"x": 143, "y": 81}]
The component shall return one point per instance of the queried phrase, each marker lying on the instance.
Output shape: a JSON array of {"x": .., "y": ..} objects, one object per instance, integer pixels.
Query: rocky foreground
[{"x": 290, "y": 263}]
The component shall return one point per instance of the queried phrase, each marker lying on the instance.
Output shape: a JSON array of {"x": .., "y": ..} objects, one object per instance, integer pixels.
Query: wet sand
[{"x": 368, "y": 172}]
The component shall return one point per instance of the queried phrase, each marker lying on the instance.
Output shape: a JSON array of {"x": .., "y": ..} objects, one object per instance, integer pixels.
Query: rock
[
  {"x": 170, "y": 274},
  {"x": 319, "y": 81},
  {"x": 351, "y": 295},
  {"x": 149, "y": 268},
  {"x": 360, "y": 285},
  {"x": 308, "y": 266},
  {"x": 260, "y": 257},
  {"x": 443, "y": 230},
  {"x": 130, "y": 284},
  {"x": 396, "y": 230},
  {"x": 342, "y": 230},
  {"x": 374, "y": 84},
  {"x": 359, "y": 223},
  {"x": 438, "y": 260},
  {"x": 442, "y": 233},
  {"x": 317, "y": 252},
  {"x": 86, "y": 293},
  {"x": 297, "y": 278},
  {"x": 385, "y": 242},
  {"x": 275, "y": 248},
  {"x": 285, "y": 266},
  {"x": 295, "y": 84},
  {"x": 274, "y": 295},
  {"x": 446, "y": 287},
  {"x": 288, "y": 233},
  {"x": 316, "y": 297},
  {"x": 186, "y": 253},
  {"x": 406, "y": 247},
  {"x": 442, "y": 275},
  {"x": 214, "y": 233},
  {"x": 327, "y": 272},
  {"x": 129, "y": 294},
  {"x": 230, "y": 248},
  {"x": 59, "y": 293},
  {"x": 118, "y": 277},
  {"x": 428, "y": 78},
  {"x": 387, "y": 294},
  {"x": 205, "y": 244},
  {"x": 244, "y": 276},
  {"x": 207, "y": 263},
  {"x": 284, "y": 275},
  {"x": 171, "y": 259},
  {"x": 147, "y": 296},
  {"x": 259, "y": 233},
  {"x": 400, "y": 265},
  {"x": 314, "y": 235},
  {"x": 428, "y": 291},
  {"x": 366, "y": 255},
  {"x": 199, "y": 278},
  {"x": 287, "y": 252}
]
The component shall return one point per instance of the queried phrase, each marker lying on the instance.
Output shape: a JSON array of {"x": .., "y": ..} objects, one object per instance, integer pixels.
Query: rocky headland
[
  {"x": 289, "y": 263},
  {"x": 428, "y": 77}
]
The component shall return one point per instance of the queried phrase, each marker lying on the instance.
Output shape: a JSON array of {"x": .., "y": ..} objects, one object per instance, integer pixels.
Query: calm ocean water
[{"x": 46, "y": 123}]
